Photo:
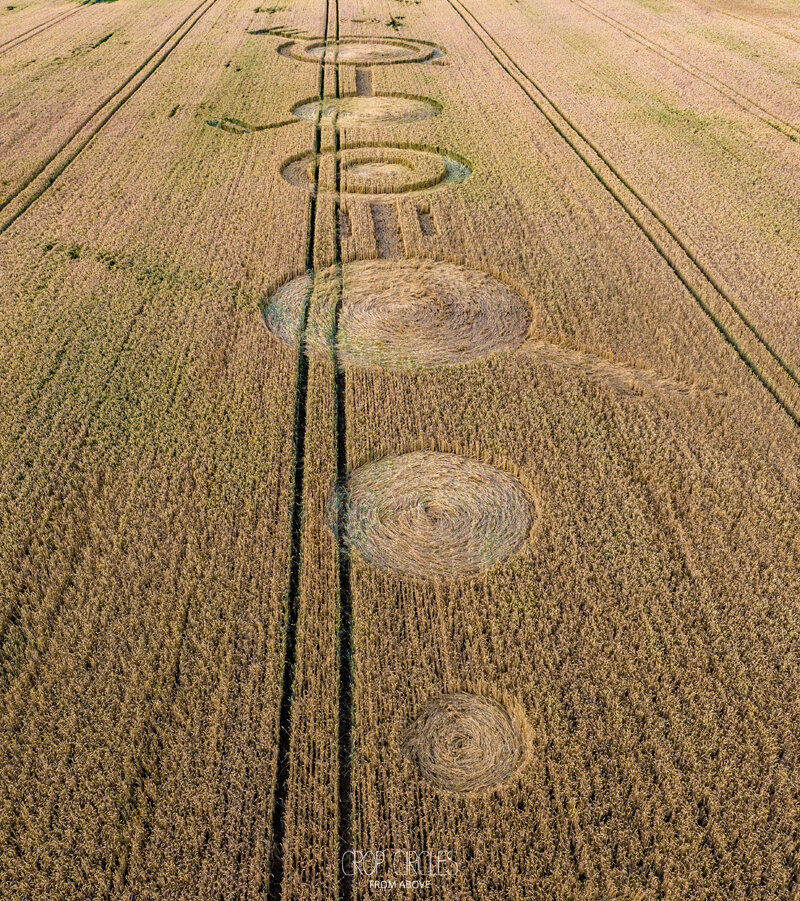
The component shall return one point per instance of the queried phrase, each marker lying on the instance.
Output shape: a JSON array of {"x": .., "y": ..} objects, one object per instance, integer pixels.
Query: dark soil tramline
[
  {"x": 448, "y": 476},
  {"x": 278, "y": 821}
]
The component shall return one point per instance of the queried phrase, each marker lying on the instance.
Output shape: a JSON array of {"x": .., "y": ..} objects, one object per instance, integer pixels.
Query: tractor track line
[
  {"x": 561, "y": 129},
  {"x": 741, "y": 100},
  {"x": 781, "y": 34},
  {"x": 274, "y": 889},
  {"x": 72, "y": 155},
  {"x": 35, "y": 30},
  {"x": 97, "y": 110},
  {"x": 345, "y": 601}
]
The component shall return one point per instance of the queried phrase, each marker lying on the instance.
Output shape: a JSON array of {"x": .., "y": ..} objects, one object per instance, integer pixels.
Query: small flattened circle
[
  {"x": 375, "y": 110},
  {"x": 465, "y": 743}
]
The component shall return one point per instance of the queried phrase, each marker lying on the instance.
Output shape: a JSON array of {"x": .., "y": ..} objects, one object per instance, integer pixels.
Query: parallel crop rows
[{"x": 769, "y": 367}]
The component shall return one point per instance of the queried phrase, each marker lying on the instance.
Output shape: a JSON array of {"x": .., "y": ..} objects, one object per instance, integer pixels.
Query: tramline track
[
  {"x": 345, "y": 607},
  {"x": 53, "y": 166},
  {"x": 774, "y": 373},
  {"x": 274, "y": 889},
  {"x": 36, "y": 30},
  {"x": 741, "y": 100},
  {"x": 777, "y": 31}
]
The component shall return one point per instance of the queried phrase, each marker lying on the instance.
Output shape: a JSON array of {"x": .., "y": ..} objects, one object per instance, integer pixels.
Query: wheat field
[{"x": 399, "y": 450}]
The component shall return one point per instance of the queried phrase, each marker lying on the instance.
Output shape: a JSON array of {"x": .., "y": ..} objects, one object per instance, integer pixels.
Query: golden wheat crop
[{"x": 398, "y": 450}]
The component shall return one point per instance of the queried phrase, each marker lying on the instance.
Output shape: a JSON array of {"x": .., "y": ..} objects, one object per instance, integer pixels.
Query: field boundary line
[
  {"x": 776, "y": 376},
  {"x": 741, "y": 100},
  {"x": 277, "y": 822},
  {"x": 69, "y": 156}
]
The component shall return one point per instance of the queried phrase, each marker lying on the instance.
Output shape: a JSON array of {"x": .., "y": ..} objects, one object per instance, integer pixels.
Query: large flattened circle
[
  {"x": 363, "y": 51},
  {"x": 403, "y": 314},
  {"x": 431, "y": 514},
  {"x": 387, "y": 109},
  {"x": 465, "y": 743},
  {"x": 377, "y": 170}
]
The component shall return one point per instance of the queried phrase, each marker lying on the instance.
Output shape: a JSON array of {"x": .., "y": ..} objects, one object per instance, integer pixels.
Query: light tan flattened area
[
  {"x": 378, "y": 171},
  {"x": 362, "y": 51},
  {"x": 402, "y": 314},
  {"x": 431, "y": 514},
  {"x": 465, "y": 744},
  {"x": 353, "y": 111}
]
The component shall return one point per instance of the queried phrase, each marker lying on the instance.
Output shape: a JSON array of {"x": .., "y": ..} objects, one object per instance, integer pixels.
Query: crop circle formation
[
  {"x": 402, "y": 314},
  {"x": 464, "y": 743},
  {"x": 362, "y": 51},
  {"x": 434, "y": 514},
  {"x": 374, "y": 110},
  {"x": 378, "y": 170}
]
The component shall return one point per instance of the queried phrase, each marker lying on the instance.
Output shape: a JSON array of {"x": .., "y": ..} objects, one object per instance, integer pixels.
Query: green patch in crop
[
  {"x": 74, "y": 251},
  {"x": 656, "y": 6},
  {"x": 679, "y": 117},
  {"x": 729, "y": 42}
]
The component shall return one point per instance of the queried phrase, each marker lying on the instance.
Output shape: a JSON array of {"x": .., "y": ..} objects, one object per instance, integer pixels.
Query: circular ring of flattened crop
[
  {"x": 431, "y": 514},
  {"x": 363, "y": 51},
  {"x": 386, "y": 109},
  {"x": 465, "y": 743},
  {"x": 377, "y": 171},
  {"x": 402, "y": 314}
]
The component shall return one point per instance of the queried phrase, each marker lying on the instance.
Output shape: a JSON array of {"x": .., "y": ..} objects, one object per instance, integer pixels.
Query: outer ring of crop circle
[
  {"x": 430, "y": 50},
  {"x": 459, "y": 169}
]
